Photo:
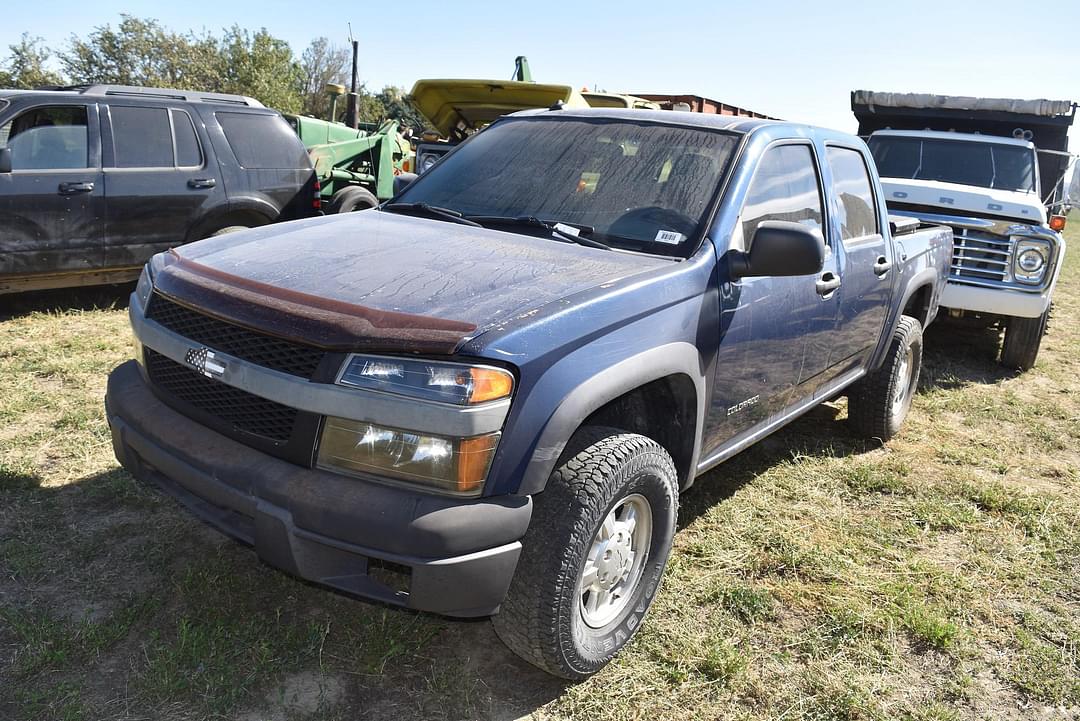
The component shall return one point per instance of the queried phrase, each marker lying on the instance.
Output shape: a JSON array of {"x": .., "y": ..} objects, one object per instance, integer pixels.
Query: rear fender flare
[
  {"x": 593, "y": 393},
  {"x": 926, "y": 276}
]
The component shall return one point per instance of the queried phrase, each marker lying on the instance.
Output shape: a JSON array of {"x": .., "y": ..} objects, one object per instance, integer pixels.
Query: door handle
[
  {"x": 202, "y": 183},
  {"x": 827, "y": 284},
  {"x": 73, "y": 188},
  {"x": 882, "y": 266}
]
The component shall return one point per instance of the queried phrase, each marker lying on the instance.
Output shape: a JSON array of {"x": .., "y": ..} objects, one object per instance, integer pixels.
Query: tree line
[{"x": 141, "y": 52}]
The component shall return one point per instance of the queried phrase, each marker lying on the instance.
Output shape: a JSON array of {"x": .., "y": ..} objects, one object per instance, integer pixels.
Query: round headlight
[
  {"x": 1030, "y": 261},
  {"x": 426, "y": 162}
]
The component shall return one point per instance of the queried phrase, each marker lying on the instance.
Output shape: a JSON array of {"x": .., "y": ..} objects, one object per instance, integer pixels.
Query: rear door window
[
  {"x": 262, "y": 141},
  {"x": 785, "y": 187},
  {"x": 142, "y": 137},
  {"x": 854, "y": 193},
  {"x": 48, "y": 138},
  {"x": 188, "y": 152}
]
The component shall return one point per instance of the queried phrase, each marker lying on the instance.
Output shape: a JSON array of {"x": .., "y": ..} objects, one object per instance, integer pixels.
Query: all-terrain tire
[
  {"x": 879, "y": 403},
  {"x": 543, "y": 617},
  {"x": 352, "y": 198},
  {"x": 1023, "y": 336}
]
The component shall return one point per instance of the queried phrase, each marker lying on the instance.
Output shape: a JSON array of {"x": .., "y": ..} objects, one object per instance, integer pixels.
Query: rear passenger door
[
  {"x": 158, "y": 180},
  {"x": 52, "y": 202},
  {"x": 866, "y": 268}
]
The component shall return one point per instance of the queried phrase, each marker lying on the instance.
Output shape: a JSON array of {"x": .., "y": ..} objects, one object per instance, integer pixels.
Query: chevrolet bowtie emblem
[{"x": 204, "y": 361}]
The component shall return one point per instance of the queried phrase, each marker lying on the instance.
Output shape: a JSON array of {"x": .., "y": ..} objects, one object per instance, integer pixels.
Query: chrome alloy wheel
[
  {"x": 904, "y": 381},
  {"x": 615, "y": 561}
]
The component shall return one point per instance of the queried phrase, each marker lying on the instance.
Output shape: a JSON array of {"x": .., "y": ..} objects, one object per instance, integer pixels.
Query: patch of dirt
[{"x": 300, "y": 694}]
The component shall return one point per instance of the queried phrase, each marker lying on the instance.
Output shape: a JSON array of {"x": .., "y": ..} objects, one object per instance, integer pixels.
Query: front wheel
[
  {"x": 594, "y": 554},
  {"x": 1023, "y": 336},
  {"x": 879, "y": 403},
  {"x": 351, "y": 199}
]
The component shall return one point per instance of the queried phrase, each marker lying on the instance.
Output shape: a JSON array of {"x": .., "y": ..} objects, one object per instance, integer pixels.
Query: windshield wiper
[
  {"x": 531, "y": 221},
  {"x": 431, "y": 210}
]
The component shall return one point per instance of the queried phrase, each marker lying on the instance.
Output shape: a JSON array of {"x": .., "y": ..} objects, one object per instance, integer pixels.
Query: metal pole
[{"x": 352, "y": 114}]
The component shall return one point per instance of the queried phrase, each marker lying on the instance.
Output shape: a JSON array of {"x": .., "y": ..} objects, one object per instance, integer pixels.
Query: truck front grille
[
  {"x": 242, "y": 411},
  {"x": 267, "y": 351},
  {"x": 980, "y": 256}
]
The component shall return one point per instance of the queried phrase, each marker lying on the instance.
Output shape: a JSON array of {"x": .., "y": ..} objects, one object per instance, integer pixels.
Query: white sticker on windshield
[
  {"x": 568, "y": 229},
  {"x": 669, "y": 236}
]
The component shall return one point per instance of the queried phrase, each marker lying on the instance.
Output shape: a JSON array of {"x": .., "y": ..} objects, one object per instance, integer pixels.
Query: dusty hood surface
[
  {"x": 965, "y": 199},
  {"x": 472, "y": 104},
  {"x": 377, "y": 281}
]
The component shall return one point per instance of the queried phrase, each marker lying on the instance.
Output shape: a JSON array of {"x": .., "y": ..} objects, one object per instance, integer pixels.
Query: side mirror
[
  {"x": 779, "y": 248},
  {"x": 5, "y": 160},
  {"x": 403, "y": 181}
]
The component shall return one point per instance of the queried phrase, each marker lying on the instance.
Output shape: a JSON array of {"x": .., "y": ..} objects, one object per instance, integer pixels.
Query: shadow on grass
[
  {"x": 65, "y": 299},
  {"x": 957, "y": 354}
]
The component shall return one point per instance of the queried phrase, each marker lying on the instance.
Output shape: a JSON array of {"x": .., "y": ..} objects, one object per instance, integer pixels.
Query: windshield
[
  {"x": 636, "y": 186},
  {"x": 987, "y": 165}
]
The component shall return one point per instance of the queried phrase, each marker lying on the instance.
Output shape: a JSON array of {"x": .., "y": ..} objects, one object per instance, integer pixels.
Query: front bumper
[
  {"x": 996, "y": 301},
  {"x": 404, "y": 547}
]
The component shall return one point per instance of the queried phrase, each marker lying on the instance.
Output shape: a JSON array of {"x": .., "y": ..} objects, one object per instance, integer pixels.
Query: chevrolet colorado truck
[{"x": 486, "y": 396}]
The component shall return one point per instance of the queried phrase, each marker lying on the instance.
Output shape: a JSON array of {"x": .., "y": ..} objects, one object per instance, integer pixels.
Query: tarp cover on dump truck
[
  {"x": 453, "y": 106},
  {"x": 1045, "y": 108}
]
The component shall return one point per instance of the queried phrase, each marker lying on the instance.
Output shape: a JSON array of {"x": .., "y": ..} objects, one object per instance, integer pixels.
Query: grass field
[{"x": 813, "y": 576}]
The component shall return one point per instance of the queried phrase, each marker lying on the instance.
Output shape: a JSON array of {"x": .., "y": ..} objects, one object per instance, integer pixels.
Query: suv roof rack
[{"x": 190, "y": 96}]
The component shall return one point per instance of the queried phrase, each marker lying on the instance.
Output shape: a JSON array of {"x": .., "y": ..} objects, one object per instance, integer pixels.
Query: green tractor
[{"x": 355, "y": 166}]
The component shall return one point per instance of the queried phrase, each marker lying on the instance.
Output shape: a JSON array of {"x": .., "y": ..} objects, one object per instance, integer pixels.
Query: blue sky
[{"x": 795, "y": 60}]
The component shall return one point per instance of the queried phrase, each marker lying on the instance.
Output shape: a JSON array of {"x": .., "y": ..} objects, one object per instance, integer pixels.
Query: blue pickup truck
[{"x": 486, "y": 396}]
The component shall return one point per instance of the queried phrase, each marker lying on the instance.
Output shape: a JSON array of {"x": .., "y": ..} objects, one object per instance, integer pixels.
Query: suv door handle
[
  {"x": 73, "y": 188},
  {"x": 202, "y": 183},
  {"x": 827, "y": 284},
  {"x": 882, "y": 266}
]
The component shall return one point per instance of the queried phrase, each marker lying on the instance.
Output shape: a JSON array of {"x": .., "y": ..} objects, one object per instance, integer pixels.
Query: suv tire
[
  {"x": 352, "y": 198},
  {"x": 879, "y": 403},
  {"x": 1023, "y": 336},
  {"x": 228, "y": 229},
  {"x": 606, "y": 520}
]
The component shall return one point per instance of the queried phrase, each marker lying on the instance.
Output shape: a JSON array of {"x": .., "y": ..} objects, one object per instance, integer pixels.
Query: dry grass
[{"x": 814, "y": 577}]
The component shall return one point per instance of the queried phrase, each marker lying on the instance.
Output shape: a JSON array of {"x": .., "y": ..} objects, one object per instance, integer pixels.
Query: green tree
[
  {"x": 25, "y": 65},
  {"x": 262, "y": 66},
  {"x": 400, "y": 108}
]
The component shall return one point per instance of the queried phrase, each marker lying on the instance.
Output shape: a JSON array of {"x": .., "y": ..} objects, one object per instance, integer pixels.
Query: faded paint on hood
[
  {"x": 377, "y": 281},
  {"x": 475, "y": 103},
  {"x": 966, "y": 199}
]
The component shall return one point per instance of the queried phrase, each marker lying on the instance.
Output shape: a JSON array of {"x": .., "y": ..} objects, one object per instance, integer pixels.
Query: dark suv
[{"x": 94, "y": 180}]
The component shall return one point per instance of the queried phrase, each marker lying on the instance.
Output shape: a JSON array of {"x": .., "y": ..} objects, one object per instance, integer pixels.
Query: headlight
[
  {"x": 426, "y": 161},
  {"x": 145, "y": 286},
  {"x": 450, "y": 465},
  {"x": 1031, "y": 259},
  {"x": 428, "y": 380}
]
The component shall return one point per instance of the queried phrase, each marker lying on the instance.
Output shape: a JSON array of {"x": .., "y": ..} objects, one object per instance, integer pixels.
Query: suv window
[
  {"x": 50, "y": 138},
  {"x": 852, "y": 186},
  {"x": 188, "y": 152},
  {"x": 141, "y": 137},
  {"x": 785, "y": 187},
  {"x": 262, "y": 141}
]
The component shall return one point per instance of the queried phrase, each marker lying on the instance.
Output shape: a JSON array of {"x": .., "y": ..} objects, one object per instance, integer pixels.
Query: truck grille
[
  {"x": 243, "y": 411},
  {"x": 280, "y": 355},
  {"x": 980, "y": 256}
]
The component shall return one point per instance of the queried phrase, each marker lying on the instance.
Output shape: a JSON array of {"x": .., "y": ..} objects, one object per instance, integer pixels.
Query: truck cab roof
[{"x": 949, "y": 135}]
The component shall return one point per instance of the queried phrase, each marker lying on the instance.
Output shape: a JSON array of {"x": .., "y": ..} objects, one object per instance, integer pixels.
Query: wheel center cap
[{"x": 613, "y": 565}]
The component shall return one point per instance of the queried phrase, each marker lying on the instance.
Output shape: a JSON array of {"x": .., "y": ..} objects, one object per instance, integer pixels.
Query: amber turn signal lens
[
  {"x": 489, "y": 384},
  {"x": 1057, "y": 223}
]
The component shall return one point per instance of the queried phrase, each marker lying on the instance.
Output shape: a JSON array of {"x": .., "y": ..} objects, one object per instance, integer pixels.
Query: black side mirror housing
[
  {"x": 779, "y": 248},
  {"x": 5, "y": 160},
  {"x": 403, "y": 181}
]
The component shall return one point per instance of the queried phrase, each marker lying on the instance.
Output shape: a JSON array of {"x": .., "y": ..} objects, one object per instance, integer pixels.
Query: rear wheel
[
  {"x": 594, "y": 554},
  {"x": 352, "y": 198},
  {"x": 1023, "y": 337},
  {"x": 879, "y": 403}
]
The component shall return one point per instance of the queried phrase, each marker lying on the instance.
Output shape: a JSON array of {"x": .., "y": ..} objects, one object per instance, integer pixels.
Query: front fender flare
[{"x": 678, "y": 358}]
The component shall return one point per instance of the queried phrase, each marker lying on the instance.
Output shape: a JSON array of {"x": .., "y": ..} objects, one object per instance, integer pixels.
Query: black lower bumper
[{"x": 408, "y": 548}]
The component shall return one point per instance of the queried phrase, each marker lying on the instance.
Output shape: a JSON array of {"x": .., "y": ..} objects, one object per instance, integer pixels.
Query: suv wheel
[
  {"x": 1023, "y": 336},
  {"x": 228, "y": 229},
  {"x": 594, "y": 554},
  {"x": 879, "y": 403},
  {"x": 352, "y": 198}
]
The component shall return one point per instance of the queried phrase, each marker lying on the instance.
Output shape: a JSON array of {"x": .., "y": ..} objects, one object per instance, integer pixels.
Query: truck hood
[
  {"x": 381, "y": 282},
  {"x": 475, "y": 103},
  {"x": 966, "y": 199}
]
